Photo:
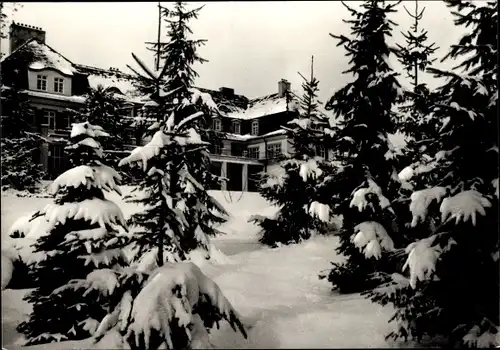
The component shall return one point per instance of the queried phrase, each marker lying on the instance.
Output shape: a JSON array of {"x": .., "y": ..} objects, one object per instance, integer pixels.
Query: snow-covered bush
[
  {"x": 291, "y": 187},
  {"x": 173, "y": 307},
  {"x": 73, "y": 236},
  {"x": 364, "y": 186},
  {"x": 452, "y": 268},
  {"x": 19, "y": 145}
]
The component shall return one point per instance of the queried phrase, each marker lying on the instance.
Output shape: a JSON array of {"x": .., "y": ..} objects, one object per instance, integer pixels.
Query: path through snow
[{"x": 276, "y": 291}]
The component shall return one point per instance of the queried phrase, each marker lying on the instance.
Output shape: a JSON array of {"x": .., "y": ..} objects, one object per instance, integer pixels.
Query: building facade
[{"x": 252, "y": 141}]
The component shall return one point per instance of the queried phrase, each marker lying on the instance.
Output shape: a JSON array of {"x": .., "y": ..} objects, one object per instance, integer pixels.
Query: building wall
[
  {"x": 51, "y": 74},
  {"x": 262, "y": 144}
]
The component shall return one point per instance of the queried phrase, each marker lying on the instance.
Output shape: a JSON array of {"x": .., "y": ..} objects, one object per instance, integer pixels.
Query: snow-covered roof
[
  {"x": 46, "y": 57},
  {"x": 124, "y": 85},
  {"x": 259, "y": 107}
]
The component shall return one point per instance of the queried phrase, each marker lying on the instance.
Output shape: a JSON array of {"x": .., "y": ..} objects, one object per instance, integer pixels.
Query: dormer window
[
  {"x": 41, "y": 82},
  {"x": 217, "y": 124},
  {"x": 255, "y": 128},
  {"x": 59, "y": 85},
  {"x": 237, "y": 127}
]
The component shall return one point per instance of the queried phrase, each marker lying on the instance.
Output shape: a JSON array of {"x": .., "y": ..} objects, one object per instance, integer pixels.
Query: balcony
[{"x": 235, "y": 155}]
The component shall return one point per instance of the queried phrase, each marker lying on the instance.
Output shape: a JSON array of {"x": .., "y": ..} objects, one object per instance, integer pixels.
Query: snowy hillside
[{"x": 277, "y": 291}]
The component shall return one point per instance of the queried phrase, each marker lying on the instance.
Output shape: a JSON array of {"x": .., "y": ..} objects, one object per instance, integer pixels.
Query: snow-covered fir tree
[
  {"x": 291, "y": 186},
  {"x": 365, "y": 183},
  {"x": 19, "y": 143},
  {"x": 78, "y": 233},
  {"x": 449, "y": 290},
  {"x": 178, "y": 213},
  {"x": 416, "y": 54}
]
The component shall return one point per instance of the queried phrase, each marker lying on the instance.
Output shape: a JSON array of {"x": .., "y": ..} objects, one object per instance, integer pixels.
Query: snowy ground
[{"x": 276, "y": 291}]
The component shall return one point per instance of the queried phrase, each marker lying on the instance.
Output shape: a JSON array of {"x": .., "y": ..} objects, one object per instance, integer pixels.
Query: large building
[{"x": 252, "y": 127}]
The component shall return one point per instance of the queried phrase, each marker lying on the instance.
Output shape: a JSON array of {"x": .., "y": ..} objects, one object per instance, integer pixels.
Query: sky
[{"x": 250, "y": 45}]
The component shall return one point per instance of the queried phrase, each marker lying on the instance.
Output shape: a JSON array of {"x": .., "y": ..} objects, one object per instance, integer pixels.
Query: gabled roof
[{"x": 42, "y": 56}]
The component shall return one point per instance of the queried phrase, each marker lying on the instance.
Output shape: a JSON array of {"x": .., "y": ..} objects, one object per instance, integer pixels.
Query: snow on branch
[
  {"x": 191, "y": 138},
  {"x": 171, "y": 296},
  {"x": 205, "y": 97},
  {"x": 319, "y": 210},
  {"x": 94, "y": 210},
  {"x": 25, "y": 232},
  {"x": 144, "y": 153},
  {"x": 360, "y": 201},
  {"x": 276, "y": 177},
  {"x": 310, "y": 169},
  {"x": 421, "y": 261},
  {"x": 464, "y": 206},
  {"x": 494, "y": 183},
  {"x": 87, "y": 129},
  {"x": 476, "y": 338},
  {"x": 188, "y": 119},
  {"x": 103, "y": 280},
  {"x": 101, "y": 176},
  {"x": 420, "y": 201},
  {"x": 371, "y": 237}
]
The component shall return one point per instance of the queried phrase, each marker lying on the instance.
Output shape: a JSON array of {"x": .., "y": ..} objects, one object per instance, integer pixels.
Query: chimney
[
  {"x": 283, "y": 86},
  {"x": 20, "y": 33},
  {"x": 227, "y": 92}
]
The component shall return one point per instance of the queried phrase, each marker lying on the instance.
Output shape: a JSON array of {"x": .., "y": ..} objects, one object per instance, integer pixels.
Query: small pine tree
[
  {"x": 81, "y": 236},
  {"x": 20, "y": 145},
  {"x": 366, "y": 181},
  {"x": 291, "y": 187},
  {"x": 102, "y": 108},
  {"x": 450, "y": 292},
  {"x": 177, "y": 217}
]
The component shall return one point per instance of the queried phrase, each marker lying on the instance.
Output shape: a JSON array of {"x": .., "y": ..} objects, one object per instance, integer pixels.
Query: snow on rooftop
[
  {"x": 46, "y": 57},
  {"x": 260, "y": 107},
  {"x": 125, "y": 86}
]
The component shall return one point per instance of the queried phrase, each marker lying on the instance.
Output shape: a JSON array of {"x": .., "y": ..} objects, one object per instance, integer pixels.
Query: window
[
  {"x": 41, "y": 82},
  {"x": 217, "y": 124},
  {"x": 59, "y": 85},
  {"x": 273, "y": 150},
  {"x": 67, "y": 121},
  {"x": 49, "y": 119},
  {"x": 253, "y": 152},
  {"x": 237, "y": 127},
  {"x": 255, "y": 127},
  {"x": 320, "y": 151},
  {"x": 57, "y": 161},
  {"x": 217, "y": 149}
]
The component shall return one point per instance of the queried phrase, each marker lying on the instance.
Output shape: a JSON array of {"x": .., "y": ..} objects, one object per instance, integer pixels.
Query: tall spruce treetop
[
  {"x": 77, "y": 234},
  {"x": 416, "y": 55},
  {"x": 176, "y": 214},
  {"x": 417, "y": 123},
  {"x": 366, "y": 182},
  {"x": 453, "y": 272}
]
